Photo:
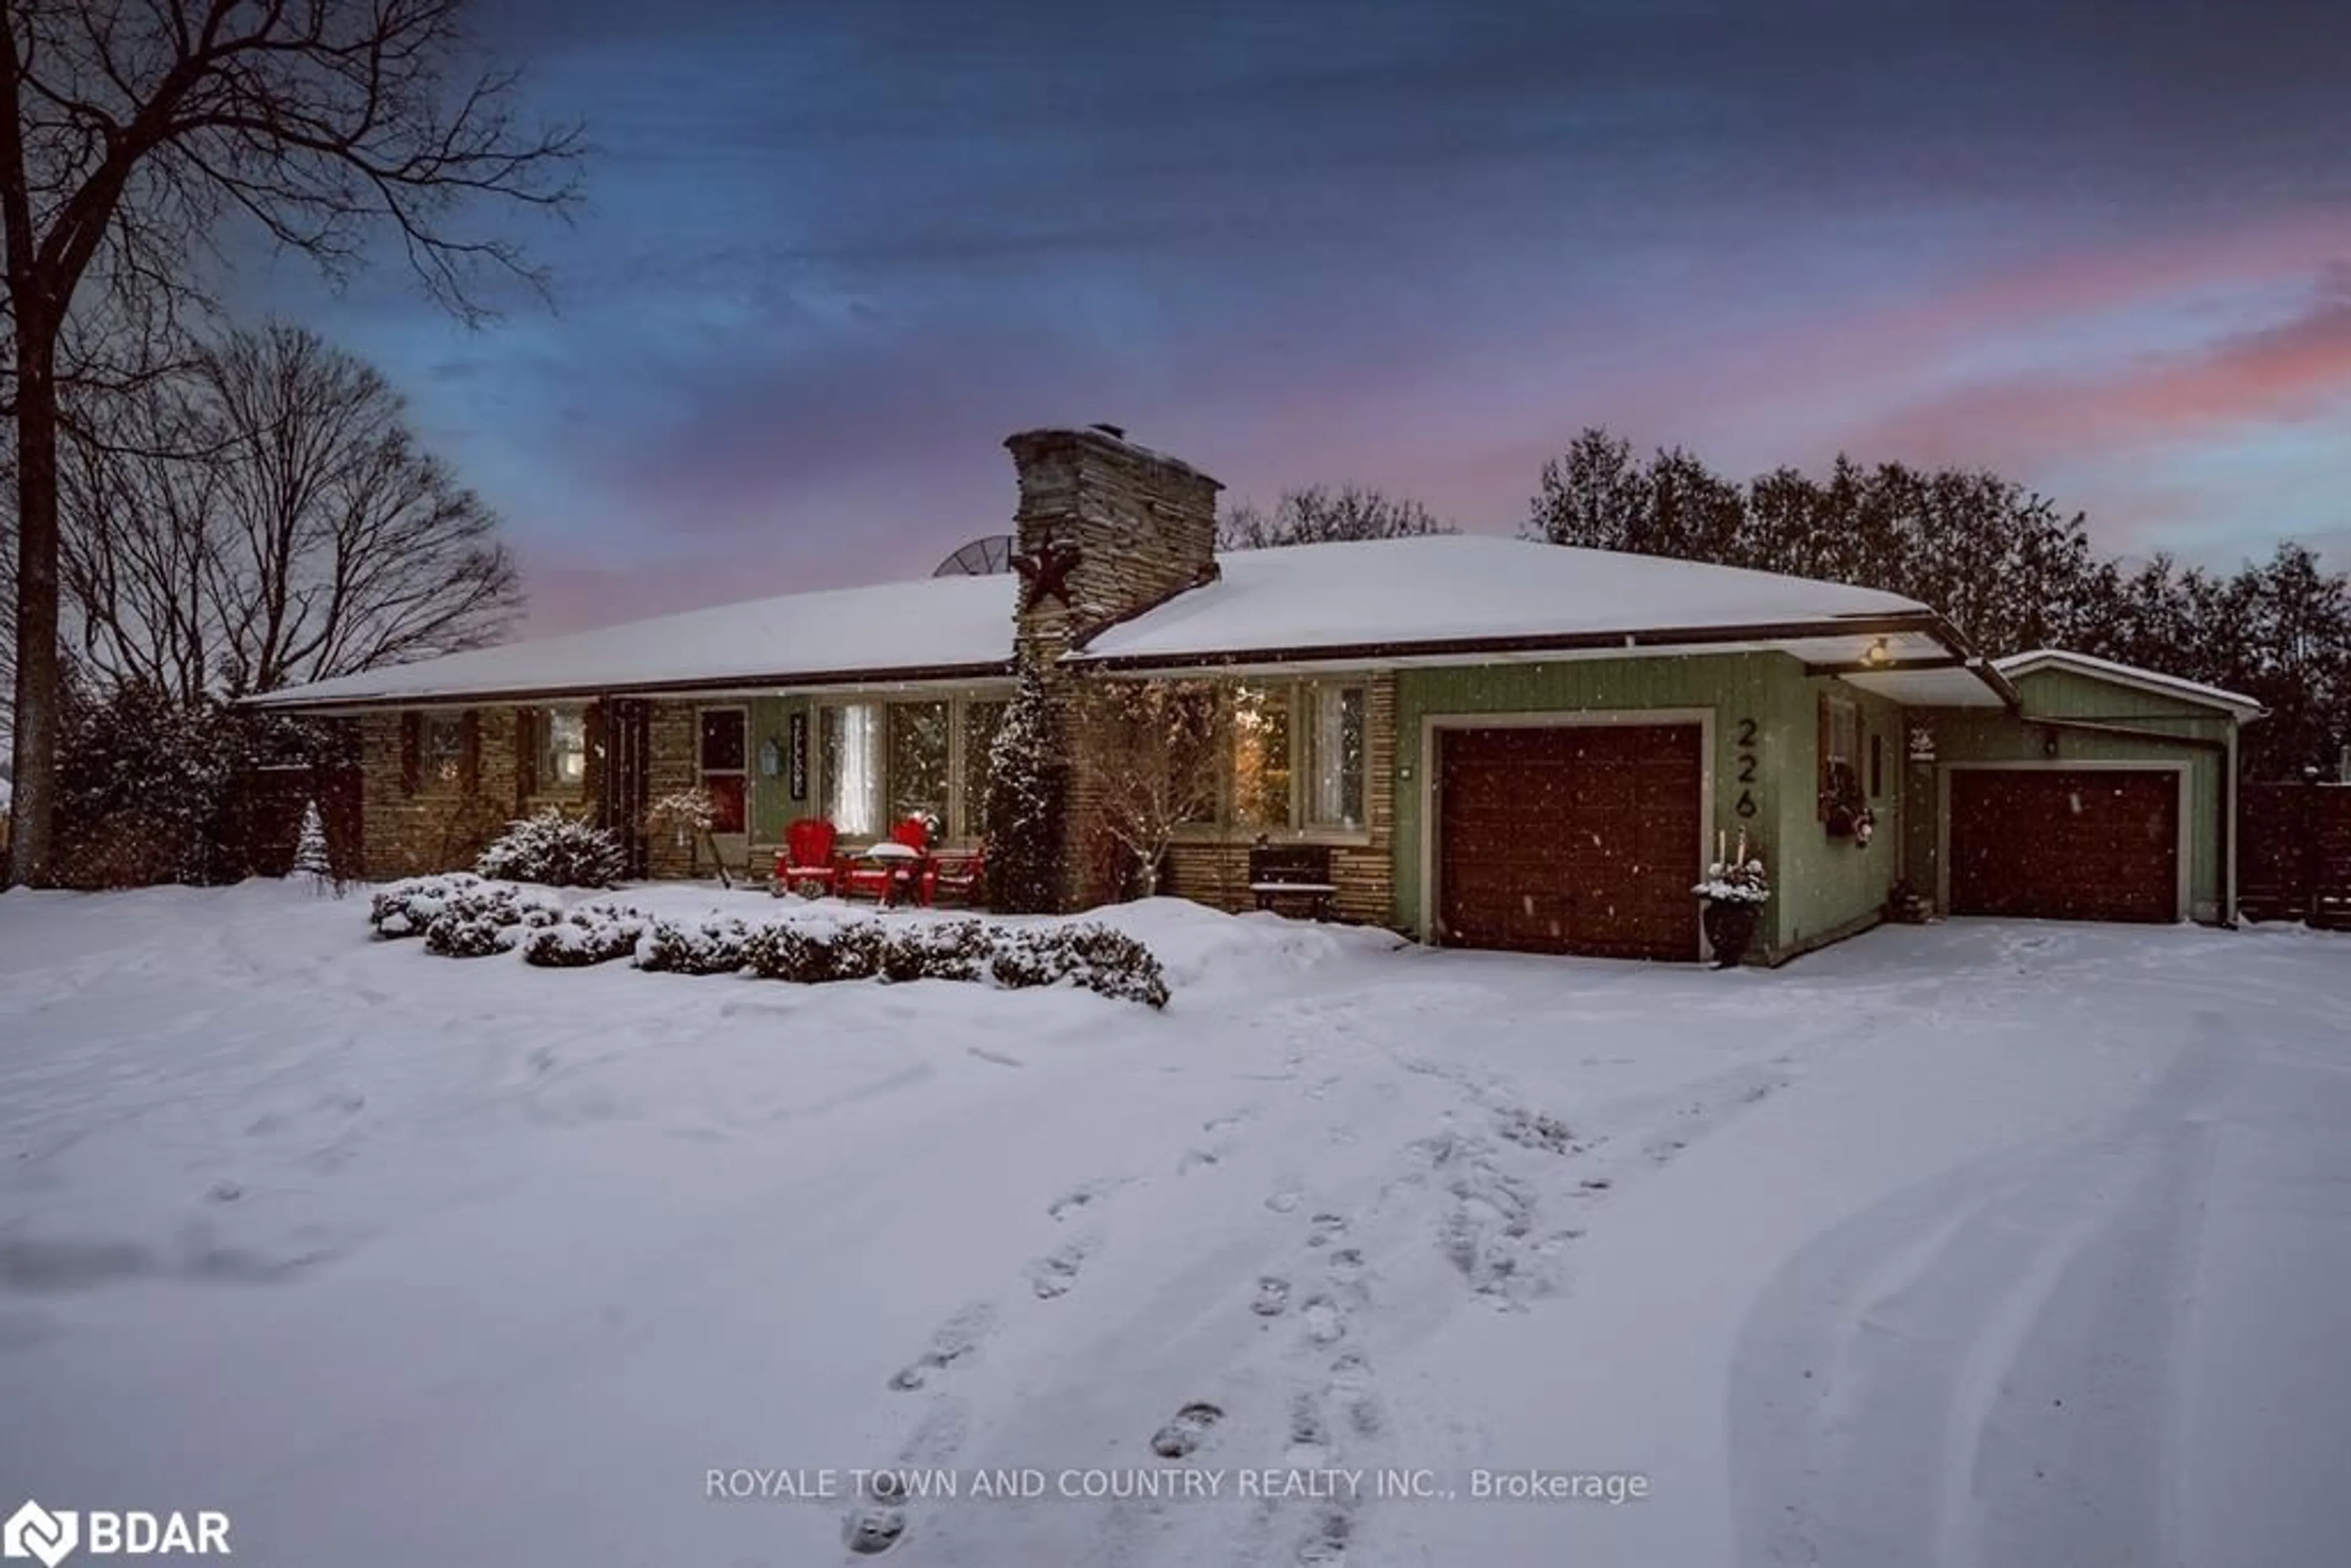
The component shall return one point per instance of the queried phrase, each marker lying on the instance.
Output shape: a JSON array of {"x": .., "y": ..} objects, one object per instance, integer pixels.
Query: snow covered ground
[{"x": 1973, "y": 1244}]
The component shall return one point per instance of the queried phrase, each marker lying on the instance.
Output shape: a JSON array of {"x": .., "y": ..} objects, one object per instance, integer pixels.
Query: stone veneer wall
[
  {"x": 1147, "y": 528},
  {"x": 1364, "y": 872}
]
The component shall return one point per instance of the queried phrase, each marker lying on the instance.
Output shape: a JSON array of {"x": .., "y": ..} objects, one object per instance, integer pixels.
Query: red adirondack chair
[
  {"x": 881, "y": 879},
  {"x": 954, "y": 877},
  {"x": 807, "y": 862}
]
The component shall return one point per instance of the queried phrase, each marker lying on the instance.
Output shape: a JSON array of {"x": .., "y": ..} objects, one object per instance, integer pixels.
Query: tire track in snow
[{"x": 1982, "y": 1335}]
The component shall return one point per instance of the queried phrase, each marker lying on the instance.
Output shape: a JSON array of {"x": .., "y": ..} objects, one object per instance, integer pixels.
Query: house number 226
[{"x": 1748, "y": 765}]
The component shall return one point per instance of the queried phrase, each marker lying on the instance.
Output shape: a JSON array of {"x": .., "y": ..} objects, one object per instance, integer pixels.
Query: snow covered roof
[
  {"x": 1304, "y": 601},
  {"x": 2016, "y": 664},
  {"x": 1462, "y": 595},
  {"x": 933, "y": 625}
]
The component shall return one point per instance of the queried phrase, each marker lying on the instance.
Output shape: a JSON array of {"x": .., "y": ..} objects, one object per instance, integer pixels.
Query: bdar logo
[{"x": 34, "y": 1531}]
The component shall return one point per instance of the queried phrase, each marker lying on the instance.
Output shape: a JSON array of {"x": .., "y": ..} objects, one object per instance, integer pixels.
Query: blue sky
[{"x": 832, "y": 256}]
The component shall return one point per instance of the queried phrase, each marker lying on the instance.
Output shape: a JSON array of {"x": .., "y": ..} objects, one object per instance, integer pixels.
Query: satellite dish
[{"x": 982, "y": 558}]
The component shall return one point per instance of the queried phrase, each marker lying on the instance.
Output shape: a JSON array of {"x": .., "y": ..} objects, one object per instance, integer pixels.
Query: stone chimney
[{"x": 1107, "y": 529}]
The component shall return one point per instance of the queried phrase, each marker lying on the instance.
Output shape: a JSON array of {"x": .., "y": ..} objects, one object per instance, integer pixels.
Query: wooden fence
[{"x": 2294, "y": 845}]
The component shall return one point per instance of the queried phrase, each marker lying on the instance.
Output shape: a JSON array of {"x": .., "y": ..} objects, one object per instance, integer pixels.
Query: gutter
[
  {"x": 524, "y": 696},
  {"x": 1650, "y": 639}
]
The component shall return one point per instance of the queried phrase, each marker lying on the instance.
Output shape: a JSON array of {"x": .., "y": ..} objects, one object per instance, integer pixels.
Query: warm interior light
[{"x": 1878, "y": 654}]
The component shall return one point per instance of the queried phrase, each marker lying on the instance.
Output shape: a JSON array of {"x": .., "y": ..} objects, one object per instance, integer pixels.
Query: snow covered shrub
[
  {"x": 814, "y": 952},
  {"x": 146, "y": 787},
  {"x": 782, "y": 952},
  {"x": 312, "y": 861},
  {"x": 405, "y": 908},
  {"x": 1027, "y": 782},
  {"x": 486, "y": 918},
  {"x": 1114, "y": 964},
  {"x": 1094, "y": 957},
  {"x": 712, "y": 947},
  {"x": 557, "y": 849},
  {"x": 941, "y": 950},
  {"x": 592, "y": 933}
]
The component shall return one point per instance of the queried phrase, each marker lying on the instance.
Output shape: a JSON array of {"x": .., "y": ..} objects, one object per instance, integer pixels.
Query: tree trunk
[{"x": 33, "y": 813}]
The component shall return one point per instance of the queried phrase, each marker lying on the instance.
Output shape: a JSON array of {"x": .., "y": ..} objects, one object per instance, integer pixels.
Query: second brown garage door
[
  {"x": 2065, "y": 844},
  {"x": 1570, "y": 839}
]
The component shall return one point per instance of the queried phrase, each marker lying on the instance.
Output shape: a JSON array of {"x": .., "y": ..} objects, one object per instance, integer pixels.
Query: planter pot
[{"x": 1729, "y": 929}]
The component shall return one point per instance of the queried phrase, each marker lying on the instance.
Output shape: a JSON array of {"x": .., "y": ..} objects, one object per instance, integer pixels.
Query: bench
[{"x": 1293, "y": 873}]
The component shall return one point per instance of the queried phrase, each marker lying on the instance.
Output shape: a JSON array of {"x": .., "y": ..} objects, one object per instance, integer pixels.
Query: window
[
  {"x": 849, "y": 741},
  {"x": 1261, "y": 729},
  {"x": 563, "y": 749},
  {"x": 919, "y": 742},
  {"x": 1195, "y": 788},
  {"x": 721, "y": 756},
  {"x": 1876, "y": 764},
  {"x": 444, "y": 748},
  {"x": 980, "y": 722},
  {"x": 1334, "y": 760},
  {"x": 1840, "y": 753},
  {"x": 1289, "y": 755}
]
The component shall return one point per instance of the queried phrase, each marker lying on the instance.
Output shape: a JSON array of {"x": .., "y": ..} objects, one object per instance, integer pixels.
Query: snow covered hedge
[
  {"x": 1095, "y": 956},
  {"x": 712, "y": 947},
  {"x": 460, "y": 914},
  {"x": 405, "y": 908},
  {"x": 488, "y": 918},
  {"x": 592, "y": 933},
  {"x": 556, "y": 850}
]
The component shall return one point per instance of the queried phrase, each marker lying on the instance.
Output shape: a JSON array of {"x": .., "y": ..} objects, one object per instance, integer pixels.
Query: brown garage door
[
  {"x": 2065, "y": 844},
  {"x": 1570, "y": 839}
]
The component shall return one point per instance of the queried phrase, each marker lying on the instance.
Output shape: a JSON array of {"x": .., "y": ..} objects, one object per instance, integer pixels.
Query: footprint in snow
[
  {"x": 1185, "y": 1431},
  {"x": 1327, "y": 1546},
  {"x": 957, "y": 1338},
  {"x": 874, "y": 1529},
  {"x": 1324, "y": 1228},
  {"x": 1325, "y": 1319},
  {"x": 1310, "y": 1439},
  {"x": 1285, "y": 1201},
  {"x": 1347, "y": 1265},
  {"x": 1194, "y": 1158},
  {"x": 1052, "y": 1275},
  {"x": 1077, "y": 1197},
  {"x": 1351, "y": 1385},
  {"x": 1226, "y": 1123},
  {"x": 1273, "y": 1297}
]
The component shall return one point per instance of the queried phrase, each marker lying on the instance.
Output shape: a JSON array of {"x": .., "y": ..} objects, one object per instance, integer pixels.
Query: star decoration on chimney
[{"x": 1045, "y": 572}]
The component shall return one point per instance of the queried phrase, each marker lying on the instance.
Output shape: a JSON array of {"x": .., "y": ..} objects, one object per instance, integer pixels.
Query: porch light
[{"x": 1877, "y": 655}]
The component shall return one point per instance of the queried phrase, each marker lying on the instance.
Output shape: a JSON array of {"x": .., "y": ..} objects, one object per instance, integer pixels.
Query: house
[{"x": 1498, "y": 743}]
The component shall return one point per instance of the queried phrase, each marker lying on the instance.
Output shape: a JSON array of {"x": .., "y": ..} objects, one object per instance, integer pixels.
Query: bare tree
[
  {"x": 267, "y": 520},
  {"x": 1320, "y": 515},
  {"x": 131, "y": 130},
  {"x": 1151, "y": 747}
]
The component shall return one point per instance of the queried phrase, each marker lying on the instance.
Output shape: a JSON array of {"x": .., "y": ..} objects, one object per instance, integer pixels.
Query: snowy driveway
[{"x": 1976, "y": 1244}]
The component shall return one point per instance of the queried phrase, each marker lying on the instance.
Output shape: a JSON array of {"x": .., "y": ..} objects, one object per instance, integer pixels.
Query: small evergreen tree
[
  {"x": 1027, "y": 781},
  {"x": 311, "y": 856}
]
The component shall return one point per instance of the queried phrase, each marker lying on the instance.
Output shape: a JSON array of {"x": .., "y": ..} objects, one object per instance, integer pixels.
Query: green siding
[
  {"x": 771, "y": 806},
  {"x": 1968, "y": 734},
  {"x": 1821, "y": 884}
]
